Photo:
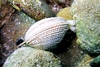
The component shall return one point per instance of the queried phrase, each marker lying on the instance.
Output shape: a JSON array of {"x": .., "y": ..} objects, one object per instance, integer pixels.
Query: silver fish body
[{"x": 46, "y": 33}]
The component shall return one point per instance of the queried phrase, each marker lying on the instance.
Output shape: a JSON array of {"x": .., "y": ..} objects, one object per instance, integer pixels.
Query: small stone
[
  {"x": 30, "y": 57},
  {"x": 65, "y": 13}
]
